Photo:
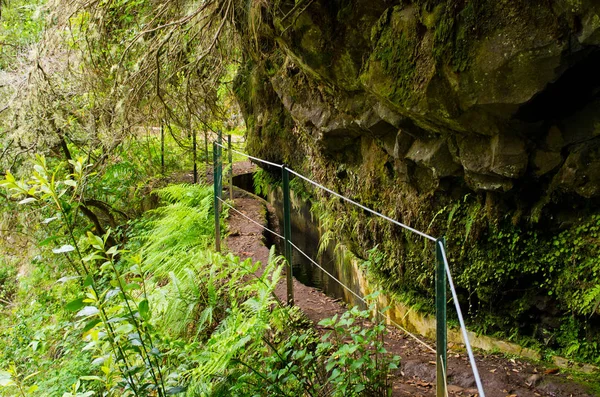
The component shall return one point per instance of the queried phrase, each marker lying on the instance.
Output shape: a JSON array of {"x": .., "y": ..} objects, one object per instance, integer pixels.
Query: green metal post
[
  {"x": 162, "y": 148},
  {"x": 230, "y": 167},
  {"x": 206, "y": 149},
  {"x": 195, "y": 156},
  {"x": 440, "y": 314},
  {"x": 216, "y": 198},
  {"x": 287, "y": 233},
  {"x": 220, "y": 150}
]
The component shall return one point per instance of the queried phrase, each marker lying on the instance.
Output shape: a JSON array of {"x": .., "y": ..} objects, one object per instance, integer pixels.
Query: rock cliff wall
[{"x": 474, "y": 119}]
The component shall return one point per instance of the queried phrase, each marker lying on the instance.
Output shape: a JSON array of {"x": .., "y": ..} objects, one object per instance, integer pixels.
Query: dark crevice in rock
[{"x": 577, "y": 87}]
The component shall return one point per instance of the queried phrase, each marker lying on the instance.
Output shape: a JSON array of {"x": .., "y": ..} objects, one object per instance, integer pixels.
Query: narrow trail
[{"x": 502, "y": 377}]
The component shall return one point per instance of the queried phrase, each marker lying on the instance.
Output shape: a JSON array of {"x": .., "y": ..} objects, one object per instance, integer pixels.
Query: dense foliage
[
  {"x": 104, "y": 291},
  {"x": 164, "y": 314}
]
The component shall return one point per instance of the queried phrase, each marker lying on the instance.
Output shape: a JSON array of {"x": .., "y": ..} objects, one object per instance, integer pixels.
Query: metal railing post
[
  {"x": 230, "y": 167},
  {"x": 287, "y": 233},
  {"x": 216, "y": 198},
  {"x": 440, "y": 315},
  {"x": 206, "y": 150},
  {"x": 220, "y": 158},
  {"x": 195, "y": 155},
  {"x": 162, "y": 148}
]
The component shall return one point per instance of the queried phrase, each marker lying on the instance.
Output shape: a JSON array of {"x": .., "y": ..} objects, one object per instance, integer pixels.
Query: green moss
[
  {"x": 504, "y": 272},
  {"x": 455, "y": 32},
  {"x": 267, "y": 121},
  {"x": 391, "y": 69}
]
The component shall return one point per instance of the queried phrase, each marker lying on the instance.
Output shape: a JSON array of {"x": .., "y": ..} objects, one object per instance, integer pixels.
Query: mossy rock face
[
  {"x": 394, "y": 71},
  {"x": 267, "y": 122},
  {"x": 474, "y": 119}
]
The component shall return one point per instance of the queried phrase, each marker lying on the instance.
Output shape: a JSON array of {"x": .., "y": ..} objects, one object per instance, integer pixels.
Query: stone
[
  {"x": 482, "y": 91},
  {"x": 582, "y": 126},
  {"x": 424, "y": 179},
  {"x": 509, "y": 156},
  {"x": 534, "y": 380},
  {"x": 581, "y": 170},
  {"x": 517, "y": 58},
  {"x": 554, "y": 139},
  {"x": 500, "y": 155},
  {"x": 377, "y": 126},
  {"x": 544, "y": 161},
  {"x": 475, "y": 153},
  {"x": 385, "y": 113},
  {"x": 590, "y": 23},
  {"x": 402, "y": 144},
  {"x": 388, "y": 142},
  {"x": 581, "y": 367},
  {"x": 488, "y": 182},
  {"x": 455, "y": 389},
  {"x": 433, "y": 154},
  {"x": 401, "y": 170}
]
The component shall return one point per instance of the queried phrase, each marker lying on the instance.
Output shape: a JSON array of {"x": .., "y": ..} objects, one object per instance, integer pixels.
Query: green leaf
[
  {"x": 30, "y": 376},
  {"x": 48, "y": 240},
  {"x": 91, "y": 377},
  {"x": 67, "y": 278},
  {"x": 93, "y": 257},
  {"x": 27, "y": 200},
  {"x": 91, "y": 324},
  {"x": 144, "y": 309},
  {"x": 132, "y": 286},
  {"x": 175, "y": 390},
  {"x": 75, "y": 305},
  {"x": 88, "y": 311},
  {"x": 64, "y": 249},
  {"x": 6, "y": 379}
]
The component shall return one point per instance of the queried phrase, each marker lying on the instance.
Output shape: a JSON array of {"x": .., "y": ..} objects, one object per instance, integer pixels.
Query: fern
[
  {"x": 241, "y": 332},
  {"x": 591, "y": 300},
  {"x": 178, "y": 233}
]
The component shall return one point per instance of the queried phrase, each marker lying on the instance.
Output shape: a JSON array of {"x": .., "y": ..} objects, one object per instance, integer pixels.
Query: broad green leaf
[
  {"x": 91, "y": 324},
  {"x": 48, "y": 240},
  {"x": 144, "y": 309},
  {"x": 75, "y": 305},
  {"x": 88, "y": 311}
]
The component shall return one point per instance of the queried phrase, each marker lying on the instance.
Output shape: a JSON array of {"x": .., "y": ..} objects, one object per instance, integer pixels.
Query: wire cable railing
[
  {"x": 442, "y": 263},
  {"x": 461, "y": 320},
  {"x": 387, "y": 218},
  {"x": 250, "y": 219},
  {"x": 363, "y": 300}
]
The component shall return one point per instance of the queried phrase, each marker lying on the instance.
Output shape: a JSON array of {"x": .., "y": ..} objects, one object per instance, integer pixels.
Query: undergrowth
[{"x": 164, "y": 314}]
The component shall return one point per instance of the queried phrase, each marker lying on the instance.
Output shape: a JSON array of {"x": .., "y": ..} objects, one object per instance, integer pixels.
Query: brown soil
[{"x": 501, "y": 377}]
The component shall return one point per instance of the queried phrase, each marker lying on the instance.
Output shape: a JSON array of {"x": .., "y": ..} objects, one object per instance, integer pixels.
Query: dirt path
[{"x": 501, "y": 377}]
